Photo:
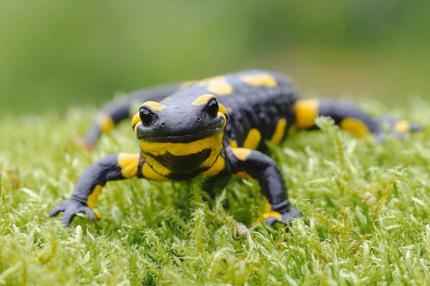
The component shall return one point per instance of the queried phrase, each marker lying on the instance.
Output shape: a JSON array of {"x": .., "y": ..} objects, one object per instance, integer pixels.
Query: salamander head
[{"x": 180, "y": 135}]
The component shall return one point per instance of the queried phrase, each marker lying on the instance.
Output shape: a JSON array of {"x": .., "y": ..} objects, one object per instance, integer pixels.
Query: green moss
[{"x": 366, "y": 214}]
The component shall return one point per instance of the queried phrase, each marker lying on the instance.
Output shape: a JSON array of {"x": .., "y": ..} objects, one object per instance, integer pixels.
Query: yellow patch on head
[
  {"x": 105, "y": 122},
  {"x": 135, "y": 120},
  {"x": 216, "y": 168},
  {"x": 355, "y": 127},
  {"x": 306, "y": 111},
  {"x": 241, "y": 153},
  {"x": 203, "y": 99},
  {"x": 222, "y": 108},
  {"x": 91, "y": 201},
  {"x": 279, "y": 131},
  {"x": 259, "y": 79},
  {"x": 128, "y": 164},
  {"x": 252, "y": 139},
  {"x": 402, "y": 126},
  {"x": 150, "y": 174},
  {"x": 156, "y": 106}
]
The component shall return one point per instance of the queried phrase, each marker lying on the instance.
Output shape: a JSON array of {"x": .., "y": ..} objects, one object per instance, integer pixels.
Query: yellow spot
[
  {"x": 241, "y": 153},
  {"x": 217, "y": 85},
  {"x": 220, "y": 87},
  {"x": 135, "y": 120},
  {"x": 156, "y": 106},
  {"x": 233, "y": 144},
  {"x": 216, "y": 168},
  {"x": 274, "y": 214},
  {"x": 243, "y": 175},
  {"x": 306, "y": 112},
  {"x": 259, "y": 79},
  {"x": 203, "y": 99},
  {"x": 279, "y": 131},
  {"x": 105, "y": 122},
  {"x": 268, "y": 212},
  {"x": 150, "y": 174},
  {"x": 186, "y": 84},
  {"x": 129, "y": 164},
  {"x": 355, "y": 127},
  {"x": 252, "y": 139},
  {"x": 401, "y": 126},
  {"x": 91, "y": 201},
  {"x": 98, "y": 214}
]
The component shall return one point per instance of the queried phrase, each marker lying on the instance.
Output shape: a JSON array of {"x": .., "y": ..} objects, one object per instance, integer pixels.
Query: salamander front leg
[
  {"x": 262, "y": 168},
  {"x": 115, "y": 167}
]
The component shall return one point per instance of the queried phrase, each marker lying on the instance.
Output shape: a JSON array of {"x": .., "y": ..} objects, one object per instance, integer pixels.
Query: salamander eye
[
  {"x": 146, "y": 115},
  {"x": 212, "y": 107}
]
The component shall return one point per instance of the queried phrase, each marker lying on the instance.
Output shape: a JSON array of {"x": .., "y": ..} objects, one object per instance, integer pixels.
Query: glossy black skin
[{"x": 249, "y": 106}]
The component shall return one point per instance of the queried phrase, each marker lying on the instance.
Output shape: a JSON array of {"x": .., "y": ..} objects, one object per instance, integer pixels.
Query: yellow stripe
[
  {"x": 129, "y": 164},
  {"x": 203, "y": 99},
  {"x": 401, "y": 126},
  {"x": 279, "y": 131},
  {"x": 252, "y": 139},
  {"x": 150, "y": 174},
  {"x": 354, "y": 126},
  {"x": 181, "y": 149},
  {"x": 216, "y": 168},
  {"x": 306, "y": 112},
  {"x": 156, "y": 106},
  {"x": 260, "y": 79},
  {"x": 105, "y": 122},
  {"x": 157, "y": 167},
  {"x": 241, "y": 153},
  {"x": 92, "y": 198}
]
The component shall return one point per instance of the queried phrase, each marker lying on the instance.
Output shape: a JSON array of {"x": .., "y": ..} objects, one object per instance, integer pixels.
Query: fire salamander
[{"x": 213, "y": 128}]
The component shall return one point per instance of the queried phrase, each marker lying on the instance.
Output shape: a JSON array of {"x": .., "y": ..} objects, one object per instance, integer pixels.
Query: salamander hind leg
[{"x": 350, "y": 118}]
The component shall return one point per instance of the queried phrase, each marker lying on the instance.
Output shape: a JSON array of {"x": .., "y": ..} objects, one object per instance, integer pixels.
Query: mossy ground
[{"x": 366, "y": 214}]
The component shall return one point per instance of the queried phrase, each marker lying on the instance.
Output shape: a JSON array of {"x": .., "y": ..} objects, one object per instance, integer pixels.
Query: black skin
[{"x": 196, "y": 130}]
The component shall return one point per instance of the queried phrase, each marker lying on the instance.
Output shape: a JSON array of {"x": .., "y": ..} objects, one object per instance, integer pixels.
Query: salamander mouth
[{"x": 182, "y": 137}]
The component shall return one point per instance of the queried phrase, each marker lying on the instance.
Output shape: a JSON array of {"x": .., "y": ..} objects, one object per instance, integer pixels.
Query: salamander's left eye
[{"x": 212, "y": 107}]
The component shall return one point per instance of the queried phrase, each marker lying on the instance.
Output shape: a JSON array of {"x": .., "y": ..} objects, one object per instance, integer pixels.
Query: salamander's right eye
[
  {"x": 146, "y": 116},
  {"x": 212, "y": 107}
]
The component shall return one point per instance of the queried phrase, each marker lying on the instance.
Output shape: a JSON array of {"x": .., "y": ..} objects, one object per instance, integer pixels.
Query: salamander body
[{"x": 213, "y": 128}]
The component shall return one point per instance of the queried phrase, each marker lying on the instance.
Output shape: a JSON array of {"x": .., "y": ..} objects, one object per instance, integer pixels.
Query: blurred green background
[{"x": 61, "y": 53}]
